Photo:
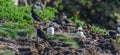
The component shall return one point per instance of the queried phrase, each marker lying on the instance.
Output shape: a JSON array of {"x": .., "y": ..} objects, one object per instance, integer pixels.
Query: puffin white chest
[
  {"x": 80, "y": 34},
  {"x": 38, "y": 8},
  {"x": 118, "y": 29},
  {"x": 50, "y": 31}
]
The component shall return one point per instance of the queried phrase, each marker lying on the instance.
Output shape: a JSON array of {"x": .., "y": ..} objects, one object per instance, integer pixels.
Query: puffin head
[
  {"x": 51, "y": 25},
  {"x": 38, "y": 27}
]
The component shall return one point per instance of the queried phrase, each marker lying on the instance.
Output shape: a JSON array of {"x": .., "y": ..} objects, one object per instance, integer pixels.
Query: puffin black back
[{"x": 41, "y": 34}]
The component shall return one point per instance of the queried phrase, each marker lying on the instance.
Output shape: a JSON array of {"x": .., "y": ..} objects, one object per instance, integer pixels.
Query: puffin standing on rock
[
  {"x": 80, "y": 33},
  {"x": 41, "y": 34},
  {"x": 112, "y": 34}
]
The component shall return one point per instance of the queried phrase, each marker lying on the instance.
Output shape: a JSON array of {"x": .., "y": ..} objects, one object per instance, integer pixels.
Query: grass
[
  {"x": 118, "y": 40},
  {"x": 20, "y": 19},
  {"x": 64, "y": 38},
  {"x": 8, "y": 33},
  {"x": 70, "y": 40},
  {"x": 6, "y": 52},
  {"x": 77, "y": 20},
  {"x": 12, "y": 29},
  {"x": 22, "y": 14},
  {"x": 53, "y": 37},
  {"x": 98, "y": 29}
]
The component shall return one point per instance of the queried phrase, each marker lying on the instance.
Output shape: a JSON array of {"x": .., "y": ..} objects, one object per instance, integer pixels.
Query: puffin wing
[{"x": 41, "y": 34}]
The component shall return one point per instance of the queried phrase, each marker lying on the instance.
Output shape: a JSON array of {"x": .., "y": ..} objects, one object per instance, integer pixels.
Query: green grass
[
  {"x": 98, "y": 29},
  {"x": 8, "y": 33},
  {"x": 68, "y": 39},
  {"x": 12, "y": 29},
  {"x": 22, "y": 14},
  {"x": 53, "y": 37},
  {"x": 6, "y": 52},
  {"x": 77, "y": 20},
  {"x": 118, "y": 40},
  {"x": 64, "y": 38},
  {"x": 19, "y": 18},
  {"x": 13, "y": 13}
]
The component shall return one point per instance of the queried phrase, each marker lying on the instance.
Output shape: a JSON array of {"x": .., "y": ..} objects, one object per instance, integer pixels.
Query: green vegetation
[
  {"x": 48, "y": 13},
  {"x": 118, "y": 40},
  {"x": 70, "y": 40},
  {"x": 98, "y": 29},
  {"x": 7, "y": 32},
  {"x": 20, "y": 19},
  {"x": 6, "y": 52},
  {"x": 92, "y": 11},
  {"x": 12, "y": 29},
  {"x": 77, "y": 20},
  {"x": 13, "y": 13}
]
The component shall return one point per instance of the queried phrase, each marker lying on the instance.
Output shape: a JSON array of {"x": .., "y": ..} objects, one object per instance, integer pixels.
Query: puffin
[
  {"x": 78, "y": 27},
  {"x": 80, "y": 33},
  {"x": 112, "y": 34},
  {"x": 55, "y": 23},
  {"x": 33, "y": 15},
  {"x": 50, "y": 30},
  {"x": 41, "y": 35},
  {"x": 64, "y": 20}
]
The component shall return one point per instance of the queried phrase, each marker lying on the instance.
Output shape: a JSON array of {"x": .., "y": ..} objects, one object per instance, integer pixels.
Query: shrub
[
  {"x": 47, "y": 13},
  {"x": 17, "y": 14}
]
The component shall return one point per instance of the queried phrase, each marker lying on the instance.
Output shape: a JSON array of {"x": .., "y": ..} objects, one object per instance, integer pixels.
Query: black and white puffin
[
  {"x": 64, "y": 20},
  {"x": 40, "y": 33},
  {"x": 80, "y": 33},
  {"x": 112, "y": 34},
  {"x": 33, "y": 15}
]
